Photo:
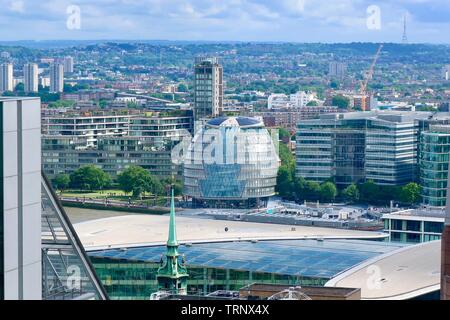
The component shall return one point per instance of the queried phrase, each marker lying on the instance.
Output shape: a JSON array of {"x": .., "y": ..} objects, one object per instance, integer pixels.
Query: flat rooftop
[
  {"x": 429, "y": 214},
  {"x": 305, "y": 258},
  {"x": 152, "y": 230},
  {"x": 404, "y": 274}
]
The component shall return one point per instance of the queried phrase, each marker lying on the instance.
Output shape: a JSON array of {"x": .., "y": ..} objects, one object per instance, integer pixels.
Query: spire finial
[{"x": 172, "y": 226}]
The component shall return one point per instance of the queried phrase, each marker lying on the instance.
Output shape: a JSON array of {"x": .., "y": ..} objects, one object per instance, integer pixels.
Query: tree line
[{"x": 135, "y": 180}]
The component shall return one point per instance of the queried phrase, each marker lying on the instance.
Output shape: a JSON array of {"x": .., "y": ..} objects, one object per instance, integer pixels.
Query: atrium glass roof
[{"x": 306, "y": 258}]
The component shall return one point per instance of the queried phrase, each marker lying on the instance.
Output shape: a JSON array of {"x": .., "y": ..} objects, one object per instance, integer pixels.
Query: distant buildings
[
  {"x": 56, "y": 78},
  {"x": 337, "y": 70},
  {"x": 359, "y": 146},
  {"x": 208, "y": 88},
  {"x": 30, "y": 77},
  {"x": 293, "y": 101},
  {"x": 6, "y": 77},
  {"x": 232, "y": 162},
  {"x": 446, "y": 72},
  {"x": 68, "y": 64}
]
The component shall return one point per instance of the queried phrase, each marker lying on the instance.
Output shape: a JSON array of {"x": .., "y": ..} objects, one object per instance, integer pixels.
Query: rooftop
[
  {"x": 306, "y": 258},
  {"x": 235, "y": 122},
  {"x": 403, "y": 274},
  {"x": 145, "y": 230}
]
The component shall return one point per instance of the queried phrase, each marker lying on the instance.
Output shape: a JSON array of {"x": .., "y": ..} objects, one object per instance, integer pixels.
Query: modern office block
[
  {"x": 56, "y": 78},
  {"x": 208, "y": 88},
  {"x": 30, "y": 77},
  {"x": 434, "y": 153},
  {"x": 20, "y": 192},
  {"x": 6, "y": 77},
  {"x": 359, "y": 146}
]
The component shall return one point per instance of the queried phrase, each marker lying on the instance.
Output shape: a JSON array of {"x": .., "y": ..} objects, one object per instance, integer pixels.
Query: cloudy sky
[{"x": 226, "y": 20}]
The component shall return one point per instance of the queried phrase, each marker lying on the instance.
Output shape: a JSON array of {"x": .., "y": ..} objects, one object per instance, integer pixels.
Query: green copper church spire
[
  {"x": 172, "y": 226},
  {"x": 172, "y": 274}
]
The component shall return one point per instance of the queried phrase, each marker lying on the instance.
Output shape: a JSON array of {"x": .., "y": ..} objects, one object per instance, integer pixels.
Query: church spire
[
  {"x": 172, "y": 274},
  {"x": 172, "y": 241}
]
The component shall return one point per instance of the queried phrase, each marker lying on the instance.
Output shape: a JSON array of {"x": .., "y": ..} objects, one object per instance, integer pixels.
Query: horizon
[{"x": 262, "y": 21}]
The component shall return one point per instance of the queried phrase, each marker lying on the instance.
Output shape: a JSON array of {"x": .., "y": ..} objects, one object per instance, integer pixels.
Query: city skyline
[{"x": 230, "y": 20}]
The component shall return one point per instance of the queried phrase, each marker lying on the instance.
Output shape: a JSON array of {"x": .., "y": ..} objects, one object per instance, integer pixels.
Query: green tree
[
  {"x": 61, "y": 182},
  {"x": 328, "y": 192},
  {"x": 410, "y": 193},
  {"x": 89, "y": 178},
  {"x": 341, "y": 102},
  {"x": 284, "y": 182},
  {"x": 312, "y": 191},
  {"x": 369, "y": 192},
  {"x": 312, "y": 103},
  {"x": 137, "y": 180},
  {"x": 351, "y": 193}
]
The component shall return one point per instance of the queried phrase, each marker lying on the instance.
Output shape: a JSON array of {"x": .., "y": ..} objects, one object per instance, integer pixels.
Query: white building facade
[{"x": 20, "y": 180}]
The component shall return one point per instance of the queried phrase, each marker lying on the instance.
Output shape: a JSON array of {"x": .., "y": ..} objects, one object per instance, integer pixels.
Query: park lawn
[
  {"x": 95, "y": 194},
  {"x": 117, "y": 195}
]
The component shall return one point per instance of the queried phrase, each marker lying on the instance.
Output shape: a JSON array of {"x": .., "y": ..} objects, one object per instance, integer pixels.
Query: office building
[
  {"x": 434, "y": 153},
  {"x": 20, "y": 192},
  {"x": 56, "y": 78},
  {"x": 414, "y": 225},
  {"x": 359, "y": 146},
  {"x": 6, "y": 77},
  {"x": 68, "y": 64},
  {"x": 30, "y": 77},
  {"x": 232, "y": 162},
  {"x": 337, "y": 70},
  {"x": 208, "y": 88}
]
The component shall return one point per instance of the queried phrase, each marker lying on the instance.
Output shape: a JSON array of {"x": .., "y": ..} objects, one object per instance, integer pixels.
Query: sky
[{"x": 428, "y": 21}]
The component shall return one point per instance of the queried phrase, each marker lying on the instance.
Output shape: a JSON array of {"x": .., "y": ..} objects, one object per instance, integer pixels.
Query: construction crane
[{"x": 368, "y": 76}]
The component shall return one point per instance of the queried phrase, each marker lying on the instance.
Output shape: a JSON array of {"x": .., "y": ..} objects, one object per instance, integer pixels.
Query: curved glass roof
[{"x": 306, "y": 258}]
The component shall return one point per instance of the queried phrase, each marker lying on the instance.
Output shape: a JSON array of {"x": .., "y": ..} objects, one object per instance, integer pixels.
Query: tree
[
  {"x": 341, "y": 102},
  {"x": 137, "y": 180},
  {"x": 410, "y": 193},
  {"x": 89, "y": 178},
  {"x": 351, "y": 193},
  {"x": 369, "y": 192},
  {"x": 328, "y": 192},
  {"x": 312, "y": 103},
  {"x": 284, "y": 182},
  {"x": 61, "y": 182},
  {"x": 312, "y": 191}
]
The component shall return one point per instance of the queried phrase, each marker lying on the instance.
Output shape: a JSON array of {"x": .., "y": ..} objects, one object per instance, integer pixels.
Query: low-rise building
[{"x": 414, "y": 225}]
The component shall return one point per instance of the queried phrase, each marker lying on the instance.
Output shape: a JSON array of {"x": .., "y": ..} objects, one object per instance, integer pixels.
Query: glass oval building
[{"x": 232, "y": 162}]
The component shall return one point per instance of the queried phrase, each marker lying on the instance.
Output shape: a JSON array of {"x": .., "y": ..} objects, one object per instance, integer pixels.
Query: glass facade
[
  {"x": 357, "y": 147},
  {"x": 433, "y": 164},
  {"x": 412, "y": 231},
  {"x": 230, "y": 161},
  {"x": 208, "y": 88},
  {"x": 66, "y": 270}
]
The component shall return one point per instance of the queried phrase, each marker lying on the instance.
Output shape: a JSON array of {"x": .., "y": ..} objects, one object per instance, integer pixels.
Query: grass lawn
[{"x": 95, "y": 194}]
